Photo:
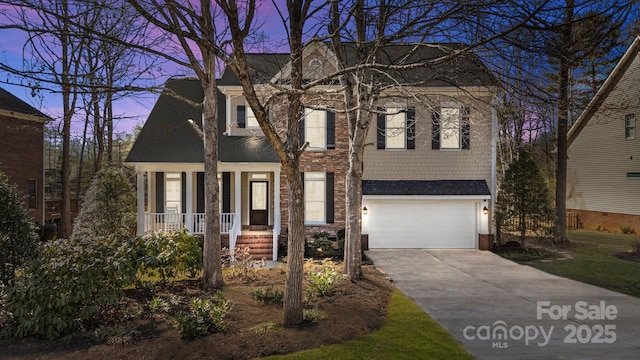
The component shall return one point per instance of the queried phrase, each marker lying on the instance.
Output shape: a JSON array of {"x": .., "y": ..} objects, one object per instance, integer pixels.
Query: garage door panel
[{"x": 420, "y": 224}]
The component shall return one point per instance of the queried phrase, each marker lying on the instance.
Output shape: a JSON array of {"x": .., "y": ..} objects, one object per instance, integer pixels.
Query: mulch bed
[{"x": 356, "y": 309}]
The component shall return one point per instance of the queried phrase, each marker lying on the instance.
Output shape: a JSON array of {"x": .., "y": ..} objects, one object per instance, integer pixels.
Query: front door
[{"x": 259, "y": 203}]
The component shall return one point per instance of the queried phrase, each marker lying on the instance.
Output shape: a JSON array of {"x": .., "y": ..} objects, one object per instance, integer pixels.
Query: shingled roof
[
  {"x": 461, "y": 70},
  {"x": 425, "y": 187},
  {"x": 167, "y": 136},
  {"x": 10, "y": 102}
]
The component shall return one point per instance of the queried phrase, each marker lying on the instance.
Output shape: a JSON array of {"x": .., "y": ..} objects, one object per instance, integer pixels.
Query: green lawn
[
  {"x": 409, "y": 333},
  {"x": 595, "y": 264}
]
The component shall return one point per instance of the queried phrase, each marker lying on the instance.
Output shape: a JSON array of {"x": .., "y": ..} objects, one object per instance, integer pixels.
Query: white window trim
[
  {"x": 323, "y": 116},
  {"x": 401, "y": 131},
  {"x": 172, "y": 177},
  {"x": 248, "y": 113},
  {"x": 451, "y": 105},
  {"x": 631, "y": 116},
  {"x": 319, "y": 177}
]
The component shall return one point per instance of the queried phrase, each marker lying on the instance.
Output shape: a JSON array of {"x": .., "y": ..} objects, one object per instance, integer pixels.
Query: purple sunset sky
[{"x": 133, "y": 109}]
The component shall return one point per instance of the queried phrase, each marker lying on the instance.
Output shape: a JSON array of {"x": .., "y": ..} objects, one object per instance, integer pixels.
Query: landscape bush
[
  {"x": 322, "y": 283},
  {"x": 204, "y": 317},
  {"x": 68, "y": 284},
  {"x": 108, "y": 207},
  {"x": 269, "y": 294},
  {"x": 72, "y": 279},
  {"x": 171, "y": 254},
  {"x": 18, "y": 238}
]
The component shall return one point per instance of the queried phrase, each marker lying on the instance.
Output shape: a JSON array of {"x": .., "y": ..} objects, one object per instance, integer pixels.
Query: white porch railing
[
  {"x": 276, "y": 234},
  {"x": 233, "y": 233},
  {"x": 175, "y": 221}
]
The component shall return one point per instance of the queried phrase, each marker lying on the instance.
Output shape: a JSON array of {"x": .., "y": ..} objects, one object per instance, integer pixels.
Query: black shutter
[
  {"x": 242, "y": 116},
  {"x": 466, "y": 129},
  {"x": 329, "y": 206},
  {"x": 226, "y": 192},
  {"x": 435, "y": 130},
  {"x": 331, "y": 129},
  {"x": 411, "y": 127},
  {"x": 183, "y": 192},
  {"x": 381, "y": 129},
  {"x": 160, "y": 192},
  {"x": 200, "y": 192},
  {"x": 301, "y": 128}
]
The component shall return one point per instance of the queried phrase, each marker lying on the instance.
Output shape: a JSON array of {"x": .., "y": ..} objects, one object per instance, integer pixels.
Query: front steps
[{"x": 260, "y": 243}]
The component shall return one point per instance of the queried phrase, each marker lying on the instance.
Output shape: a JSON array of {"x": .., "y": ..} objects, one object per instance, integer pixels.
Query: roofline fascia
[
  {"x": 426, "y": 197},
  {"x": 604, "y": 91},
  {"x": 23, "y": 116}
]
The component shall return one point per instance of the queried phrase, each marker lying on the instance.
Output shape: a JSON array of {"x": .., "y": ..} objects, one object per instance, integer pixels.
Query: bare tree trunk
[
  {"x": 212, "y": 252},
  {"x": 65, "y": 221},
  {"x": 98, "y": 130},
  {"x": 108, "y": 119},
  {"x": 293, "y": 299},
  {"x": 563, "y": 107}
]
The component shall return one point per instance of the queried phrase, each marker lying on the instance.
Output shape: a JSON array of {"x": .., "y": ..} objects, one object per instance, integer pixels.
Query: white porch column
[
  {"x": 276, "y": 213},
  {"x": 189, "y": 204},
  {"x": 140, "y": 198},
  {"x": 237, "y": 196}
]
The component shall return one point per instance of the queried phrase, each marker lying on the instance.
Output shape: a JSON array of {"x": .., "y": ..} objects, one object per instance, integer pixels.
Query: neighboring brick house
[
  {"x": 169, "y": 154},
  {"x": 22, "y": 150},
  {"x": 603, "y": 174}
]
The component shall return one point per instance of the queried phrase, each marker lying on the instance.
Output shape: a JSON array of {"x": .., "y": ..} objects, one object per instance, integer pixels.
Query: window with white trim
[
  {"x": 314, "y": 197},
  {"x": 173, "y": 192},
  {"x": 246, "y": 118},
  {"x": 450, "y": 128},
  {"x": 396, "y": 128},
  {"x": 315, "y": 129},
  {"x": 630, "y": 126}
]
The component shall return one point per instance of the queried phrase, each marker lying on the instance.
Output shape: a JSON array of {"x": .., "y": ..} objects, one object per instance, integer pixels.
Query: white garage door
[{"x": 434, "y": 224}]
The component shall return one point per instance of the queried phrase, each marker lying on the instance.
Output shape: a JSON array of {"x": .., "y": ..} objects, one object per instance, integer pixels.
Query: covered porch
[{"x": 171, "y": 197}]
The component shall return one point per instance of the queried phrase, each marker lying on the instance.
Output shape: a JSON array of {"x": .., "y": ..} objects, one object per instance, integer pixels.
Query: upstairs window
[
  {"x": 630, "y": 127},
  {"x": 451, "y": 129},
  {"x": 246, "y": 118},
  {"x": 396, "y": 128},
  {"x": 318, "y": 128}
]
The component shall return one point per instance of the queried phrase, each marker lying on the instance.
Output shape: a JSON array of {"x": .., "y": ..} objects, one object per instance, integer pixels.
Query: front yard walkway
[{"x": 499, "y": 309}]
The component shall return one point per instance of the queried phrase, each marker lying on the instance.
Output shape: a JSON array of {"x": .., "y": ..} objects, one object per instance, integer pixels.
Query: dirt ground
[{"x": 356, "y": 308}]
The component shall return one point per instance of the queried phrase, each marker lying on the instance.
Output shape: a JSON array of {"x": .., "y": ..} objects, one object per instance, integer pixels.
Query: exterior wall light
[
  {"x": 365, "y": 211},
  {"x": 485, "y": 210}
]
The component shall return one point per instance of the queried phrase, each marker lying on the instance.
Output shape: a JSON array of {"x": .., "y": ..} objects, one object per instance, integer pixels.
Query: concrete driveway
[{"x": 501, "y": 310}]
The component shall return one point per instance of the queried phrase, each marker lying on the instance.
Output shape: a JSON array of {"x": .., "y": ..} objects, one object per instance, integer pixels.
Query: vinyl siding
[
  {"x": 424, "y": 163},
  {"x": 600, "y": 157}
]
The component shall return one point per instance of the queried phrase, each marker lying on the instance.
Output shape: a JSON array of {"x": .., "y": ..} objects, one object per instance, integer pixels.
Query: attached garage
[{"x": 425, "y": 214}]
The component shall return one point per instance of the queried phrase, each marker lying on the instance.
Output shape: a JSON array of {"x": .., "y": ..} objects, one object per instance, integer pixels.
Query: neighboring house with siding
[
  {"x": 22, "y": 150},
  {"x": 603, "y": 176},
  {"x": 436, "y": 146}
]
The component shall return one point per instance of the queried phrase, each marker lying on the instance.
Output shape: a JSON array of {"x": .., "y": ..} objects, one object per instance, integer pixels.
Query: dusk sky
[{"x": 130, "y": 111}]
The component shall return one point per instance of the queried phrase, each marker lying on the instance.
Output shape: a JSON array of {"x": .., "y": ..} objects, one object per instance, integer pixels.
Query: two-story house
[
  {"x": 22, "y": 150},
  {"x": 603, "y": 169},
  {"x": 168, "y": 157}
]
